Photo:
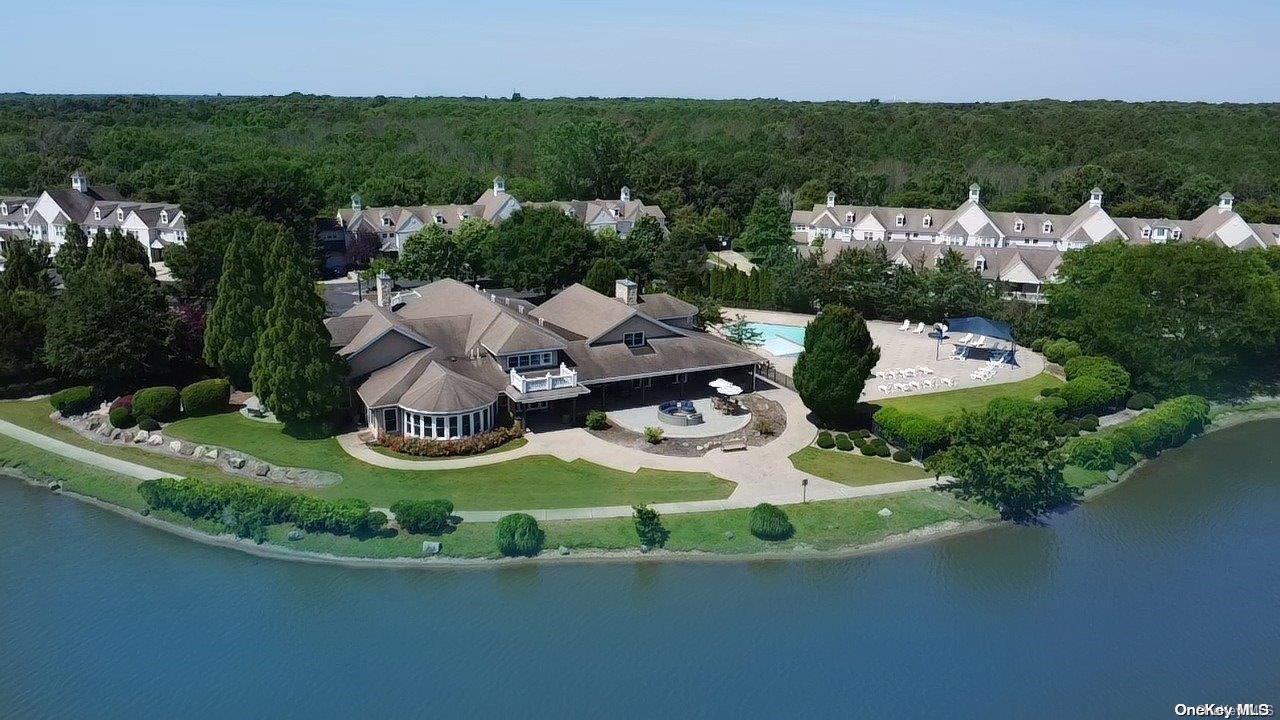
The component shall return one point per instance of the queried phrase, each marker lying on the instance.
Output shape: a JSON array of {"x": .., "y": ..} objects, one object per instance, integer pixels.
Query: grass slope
[
  {"x": 940, "y": 405},
  {"x": 851, "y": 468}
]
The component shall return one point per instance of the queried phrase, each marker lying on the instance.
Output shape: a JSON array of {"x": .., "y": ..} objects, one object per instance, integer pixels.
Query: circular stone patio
[{"x": 637, "y": 419}]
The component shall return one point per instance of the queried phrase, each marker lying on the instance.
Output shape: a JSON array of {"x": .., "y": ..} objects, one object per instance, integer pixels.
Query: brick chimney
[{"x": 626, "y": 291}]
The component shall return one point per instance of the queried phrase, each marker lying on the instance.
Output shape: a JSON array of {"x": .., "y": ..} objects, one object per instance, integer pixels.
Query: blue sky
[{"x": 948, "y": 50}]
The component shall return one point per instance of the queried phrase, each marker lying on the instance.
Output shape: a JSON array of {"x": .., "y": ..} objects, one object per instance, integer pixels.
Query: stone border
[{"x": 96, "y": 428}]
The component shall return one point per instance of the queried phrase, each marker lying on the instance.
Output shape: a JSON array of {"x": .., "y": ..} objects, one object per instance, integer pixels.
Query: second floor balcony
[{"x": 539, "y": 380}]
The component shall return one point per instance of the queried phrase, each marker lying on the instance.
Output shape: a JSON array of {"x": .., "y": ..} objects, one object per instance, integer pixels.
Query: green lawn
[
  {"x": 942, "y": 404},
  {"x": 852, "y": 468},
  {"x": 540, "y": 481}
]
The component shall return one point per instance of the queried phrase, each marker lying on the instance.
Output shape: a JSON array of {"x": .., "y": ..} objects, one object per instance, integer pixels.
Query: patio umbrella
[
  {"x": 719, "y": 383},
  {"x": 730, "y": 390}
]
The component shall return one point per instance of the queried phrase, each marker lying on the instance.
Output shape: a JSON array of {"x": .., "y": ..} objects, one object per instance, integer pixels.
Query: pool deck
[{"x": 899, "y": 350}]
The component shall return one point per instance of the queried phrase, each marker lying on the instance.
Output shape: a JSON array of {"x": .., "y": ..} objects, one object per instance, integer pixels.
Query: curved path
[{"x": 761, "y": 474}]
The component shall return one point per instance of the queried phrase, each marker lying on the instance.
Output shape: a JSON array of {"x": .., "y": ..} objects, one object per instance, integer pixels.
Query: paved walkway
[{"x": 73, "y": 452}]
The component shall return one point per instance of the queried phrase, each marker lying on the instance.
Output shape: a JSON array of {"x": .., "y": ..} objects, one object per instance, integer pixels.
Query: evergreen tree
[
  {"x": 74, "y": 251},
  {"x": 118, "y": 248},
  {"x": 26, "y": 267},
  {"x": 602, "y": 276},
  {"x": 235, "y": 323},
  {"x": 682, "y": 260},
  {"x": 112, "y": 327},
  {"x": 837, "y": 359},
  {"x": 295, "y": 372},
  {"x": 767, "y": 224},
  {"x": 638, "y": 251}
]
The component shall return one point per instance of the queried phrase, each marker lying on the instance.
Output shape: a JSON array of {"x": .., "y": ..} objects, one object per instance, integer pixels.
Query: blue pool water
[{"x": 781, "y": 340}]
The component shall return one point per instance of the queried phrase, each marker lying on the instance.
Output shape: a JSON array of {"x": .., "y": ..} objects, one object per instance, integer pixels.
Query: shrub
[
  {"x": 427, "y": 447},
  {"x": 432, "y": 517},
  {"x": 769, "y": 522},
  {"x": 764, "y": 426},
  {"x": 902, "y": 456},
  {"x": 125, "y": 401},
  {"x": 1103, "y": 368},
  {"x": 862, "y": 433},
  {"x": 1141, "y": 401},
  {"x": 920, "y": 434},
  {"x": 1088, "y": 423},
  {"x": 843, "y": 442},
  {"x": 861, "y": 444},
  {"x": 73, "y": 400},
  {"x": 162, "y": 403},
  {"x": 122, "y": 417},
  {"x": 1067, "y": 429},
  {"x": 206, "y": 397},
  {"x": 248, "y": 509},
  {"x": 1049, "y": 391},
  {"x": 825, "y": 441},
  {"x": 877, "y": 448},
  {"x": 1060, "y": 351},
  {"x": 1054, "y": 404},
  {"x": 653, "y": 435},
  {"x": 1038, "y": 344},
  {"x": 1093, "y": 453},
  {"x": 148, "y": 424},
  {"x": 597, "y": 420},
  {"x": 1088, "y": 393},
  {"x": 649, "y": 526},
  {"x": 518, "y": 535}
]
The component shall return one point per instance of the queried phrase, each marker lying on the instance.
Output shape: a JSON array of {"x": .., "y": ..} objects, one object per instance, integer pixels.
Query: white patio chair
[
  {"x": 920, "y": 328},
  {"x": 899, "y": 387},
  {"x": 926, "y": 370},
  {"x": 965, "y": 340},
  {"x": 906, "y": 325},
  {"x": 928, "y": 382},
  {"x": 914, "y": 384}
]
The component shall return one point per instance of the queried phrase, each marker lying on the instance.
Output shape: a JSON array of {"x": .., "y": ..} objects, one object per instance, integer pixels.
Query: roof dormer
[
  {"x": 569, "y": 212},
  {"x": 900, "y": 220},
  {"x": 979, "y": 263},
  {"x": 439, "y": 219},
  {"x": 26, "y": 209},
  {"x": 927, "y": 221},
  {"x": 616, "y": 212},
  {"x": 164, "y": 216},
  {"x": 1146, "y": 232},
  {"x": 849, "y": 218},
  {"x": 387, "y": 221},
  {"x": 119, "y": 214},
  {"x": 1018, "y": 225},
  {"x": 831, "y": 199},
  {"x": 97, "y": 213},
  {"x": 1177, "y": 233},
  {"x": 1226, "y": 201},
  {"x": 1047, "y": 228}
]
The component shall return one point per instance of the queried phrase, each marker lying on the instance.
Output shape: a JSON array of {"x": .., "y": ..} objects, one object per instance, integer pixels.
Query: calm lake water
[{"x": 1164, "y": 591}]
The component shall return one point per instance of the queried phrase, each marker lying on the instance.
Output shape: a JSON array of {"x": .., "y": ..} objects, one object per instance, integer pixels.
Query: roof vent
[
  {"x": 493, "y": 298},
  {"x": 521, "y": 309}
]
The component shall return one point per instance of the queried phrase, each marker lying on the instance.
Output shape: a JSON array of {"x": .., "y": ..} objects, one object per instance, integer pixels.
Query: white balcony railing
[
  {"x": 1033, "y": 297},
  {"x": 548, "y": 380}
]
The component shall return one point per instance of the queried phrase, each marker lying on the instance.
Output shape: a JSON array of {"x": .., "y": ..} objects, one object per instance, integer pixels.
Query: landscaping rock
[
  {"x": 141, "y": 436},
  {"x": 1112, "y": 475},
  {"x": 185, "y": 449},
  {"x": 175, "y": 447},
  {"x": 728, "y": 534},
  {"x": 117, "y": 435},
  {"x": 210, "y": 454},
  {"x": 563, "y": 550},
  {"x": 144, "y": 511},
  {"x": 261, "y": 469},
  {"x": 430, "y": 547},
  {"x": 236, "y": 462},
  {"x": 885, "y": 512},
  {"x": 155, "y": 441},
  {"x": 200, "y": 450},
  {"x": 296, "y": 534},
  {"x": 55, "y": 486},
  {"x": 93, "y": 424}
]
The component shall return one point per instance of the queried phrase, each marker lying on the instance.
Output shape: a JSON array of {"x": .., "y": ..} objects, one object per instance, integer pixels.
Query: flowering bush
[{"x": 426, "y": 447}]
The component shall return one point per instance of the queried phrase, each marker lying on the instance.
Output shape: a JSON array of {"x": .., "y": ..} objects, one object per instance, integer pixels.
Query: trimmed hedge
[
  {"x": 1103, "y": 368},
  {"x": 901, "y": 456},
  {"x": 122, "y": 417},
  {"x": 1141, "y": 401},
  {"x": 1170, "y": 424},
  {"x": 825, "y": 441},
  {"x": 423, "y": 516},
  {"x": 148, "y": 424},
  {"x": 518, "y": 535},
  {"x": 1088, "y": 423},
  {"x": 920, "y": 434},
  {"x": 163, "y": 403},
  {"x": 769, "y": 522},
  {"x": 1061, "y": 350},
  {"x": 207, "y": 397},
  {"x": 248, "y": 509},
  {"x": 1087, "y": 393},
  {"x": 73, "y": 400},
  {"x": 843, "y": 442}
]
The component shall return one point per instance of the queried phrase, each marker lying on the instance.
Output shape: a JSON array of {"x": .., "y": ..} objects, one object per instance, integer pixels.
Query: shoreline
[{"x": 915, "y": 536}]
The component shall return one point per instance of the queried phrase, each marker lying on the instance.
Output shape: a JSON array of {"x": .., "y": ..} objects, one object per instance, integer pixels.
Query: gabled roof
[{"x": 662, "y": 306}]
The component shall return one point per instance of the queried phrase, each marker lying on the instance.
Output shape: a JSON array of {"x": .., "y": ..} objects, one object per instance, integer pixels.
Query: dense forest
[{"x": 290, "y": 158}]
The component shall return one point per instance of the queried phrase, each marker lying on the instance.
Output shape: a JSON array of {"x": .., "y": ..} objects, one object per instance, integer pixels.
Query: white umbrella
[
  {"x": 720, "y": 383},
  {"x": 730, "y": 390}
]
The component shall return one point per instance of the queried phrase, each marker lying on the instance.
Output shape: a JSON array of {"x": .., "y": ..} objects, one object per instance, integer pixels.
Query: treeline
[{"x": 290, "y": 158}]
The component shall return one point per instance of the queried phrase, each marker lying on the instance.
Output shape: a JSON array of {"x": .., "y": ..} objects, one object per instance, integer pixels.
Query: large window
[
  {"x": 633, "y": 339},
  {"x": 530, "y": 360}
]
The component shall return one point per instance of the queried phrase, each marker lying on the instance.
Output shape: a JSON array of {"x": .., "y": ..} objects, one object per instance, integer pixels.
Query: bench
[{"x": 731, "y": 445}]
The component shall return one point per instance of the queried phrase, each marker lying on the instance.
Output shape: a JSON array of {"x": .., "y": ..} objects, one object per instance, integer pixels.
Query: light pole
[{"x": 804, "y": 490}]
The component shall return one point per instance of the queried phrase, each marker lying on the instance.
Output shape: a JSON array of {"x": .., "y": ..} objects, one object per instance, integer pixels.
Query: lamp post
[{"x": 804, "y": 490}]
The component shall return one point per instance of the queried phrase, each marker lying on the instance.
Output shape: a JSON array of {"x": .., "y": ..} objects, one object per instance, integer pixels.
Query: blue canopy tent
[{"x": 982, "y": 327}]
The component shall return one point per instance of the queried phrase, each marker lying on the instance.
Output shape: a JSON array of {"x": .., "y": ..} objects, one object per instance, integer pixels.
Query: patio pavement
[{"x": 637, "y": 419}]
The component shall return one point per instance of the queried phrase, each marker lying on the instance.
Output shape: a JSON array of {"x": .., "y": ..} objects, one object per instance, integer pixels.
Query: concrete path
[{"x": 79, "y": 454}]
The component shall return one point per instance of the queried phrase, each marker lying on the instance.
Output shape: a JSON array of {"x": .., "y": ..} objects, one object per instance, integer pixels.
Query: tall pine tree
[
  {"x": 296, "y": 374},
  {"x": 837, "y": 359},
  {"x": 74, "y": 251},
  {"x": 236, "y": 321},
  {"x": 118, "y": 248}
]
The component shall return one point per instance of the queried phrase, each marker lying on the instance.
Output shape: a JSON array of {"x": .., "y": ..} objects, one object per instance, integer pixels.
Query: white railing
[
  {"x": 1034, "y": 297},
  {"x": 551, "y": 380}
]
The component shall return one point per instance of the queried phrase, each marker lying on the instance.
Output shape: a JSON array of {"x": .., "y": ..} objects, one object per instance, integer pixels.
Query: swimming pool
[{"x": 780, "y": 340}]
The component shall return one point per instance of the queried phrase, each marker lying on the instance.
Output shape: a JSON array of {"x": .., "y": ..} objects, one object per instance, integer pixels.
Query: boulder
[
  {"x": 644, "y": 548},
  {"x": 431, "y": 547},
  {"x": 728, "y": 534},
  {"x": 563, "y": 550},
  {"x": 885, "y": 512},
  {"x": 261, "y": 469},
  {"x": 1112, "y": 475},
  {"x": 93, "y": 424},
  {"x": 200, "y": 450},
  {"x": 175, "y": 447},
  {"x": 236, "y": 462},
  {"x": 155, "y": 441},
  {"x": 210, "y": 454},
  {"x": 185, "y": 450},
  {"x": 117, "y": 434},
  {"x": 296, "y": 534},
  {"x": 141, "y": 436}
]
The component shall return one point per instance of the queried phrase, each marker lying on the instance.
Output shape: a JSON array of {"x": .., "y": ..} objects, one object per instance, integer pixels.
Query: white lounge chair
[
  {"x": 926, "y": 370},
  {"x": 899, "y": 387},
  {"x": 965, "y": 340},
  {"x": 928, "y": 382},
  {"x": 906, "y": 325},
  {"x": 948, "y": 382},
  {"x": 884, "y": 389},
  {"x": 914, "y": 384},
  {"x": 981, "y": 342},
  {"x": 920, "y": 328}
]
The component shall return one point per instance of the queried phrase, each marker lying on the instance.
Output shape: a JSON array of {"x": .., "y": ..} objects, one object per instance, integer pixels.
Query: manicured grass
[
  {"x": 1083, "y": 479},
  {"x": 942, "y": 404},
  {"x": 826, "y": 525},
  {"x": 33, "y": 462},
  {"x": 535, "y": 482},
  {"x": 852, "y": 468},
  {"x": 509, "y": 445}
]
